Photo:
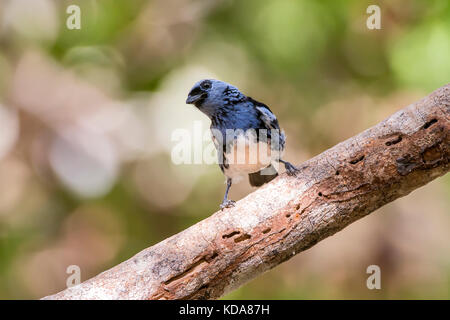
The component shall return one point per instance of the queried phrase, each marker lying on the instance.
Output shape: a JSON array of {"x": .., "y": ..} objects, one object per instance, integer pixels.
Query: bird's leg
[
  {"x": 227, "y": 203},
  {"x": 290, "y": 168}
]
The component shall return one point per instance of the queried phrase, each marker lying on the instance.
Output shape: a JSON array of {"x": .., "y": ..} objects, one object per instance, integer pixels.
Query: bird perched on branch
[{"x": 245, "y": 132}]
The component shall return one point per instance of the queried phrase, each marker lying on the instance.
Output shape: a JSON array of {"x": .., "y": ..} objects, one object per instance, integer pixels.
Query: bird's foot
[
  {"x": 227, "y": 204},
  {"x": 291, "y": 170}
]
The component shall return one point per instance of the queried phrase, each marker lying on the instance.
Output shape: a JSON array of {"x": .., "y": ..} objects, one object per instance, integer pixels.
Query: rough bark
[{"x": 288, "y": 215}]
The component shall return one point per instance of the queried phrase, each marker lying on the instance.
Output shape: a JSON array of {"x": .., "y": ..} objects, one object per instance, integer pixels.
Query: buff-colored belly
[{"x": 248, "y": 156}]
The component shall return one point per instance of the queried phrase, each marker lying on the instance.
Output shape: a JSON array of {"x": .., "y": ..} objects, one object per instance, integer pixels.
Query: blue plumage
[{"x": 235, "y": 118}]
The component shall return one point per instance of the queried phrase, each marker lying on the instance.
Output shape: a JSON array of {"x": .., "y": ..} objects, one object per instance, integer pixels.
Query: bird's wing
[
  {"x": 270, "y": 123},
  {"x": 266, "y": 115}
]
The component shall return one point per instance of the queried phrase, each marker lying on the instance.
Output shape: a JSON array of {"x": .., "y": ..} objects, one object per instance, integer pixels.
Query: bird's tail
[{"x": 257, "y": 179}]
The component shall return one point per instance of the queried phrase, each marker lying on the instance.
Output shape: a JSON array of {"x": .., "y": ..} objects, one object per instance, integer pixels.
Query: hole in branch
[
  {"x": 266, "y": 230},
  {"x": 229, "y": 235},
  {"x": 355, "y": 161},
  {"x": 213, "y": 256},
  {"x": 395, "y": 141},
  {"x": 429, "y": 123},
  {"x": 244, "y": 237}
]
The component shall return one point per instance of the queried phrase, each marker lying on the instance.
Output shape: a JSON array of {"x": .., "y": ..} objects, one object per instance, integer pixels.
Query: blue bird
[{"x": 245, "y": 132}]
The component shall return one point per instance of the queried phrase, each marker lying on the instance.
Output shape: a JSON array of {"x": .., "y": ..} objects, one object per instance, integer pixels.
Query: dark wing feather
[
  {"x": 269, "y": 122},
  {"x": 265, "y": 114}
]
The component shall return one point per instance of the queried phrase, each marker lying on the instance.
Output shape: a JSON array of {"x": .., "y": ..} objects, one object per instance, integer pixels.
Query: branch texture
[{"x": 288, "y": 215}]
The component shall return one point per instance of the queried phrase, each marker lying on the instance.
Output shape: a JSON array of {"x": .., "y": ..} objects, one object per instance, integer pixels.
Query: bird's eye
[{"x": 206, "y": 84}]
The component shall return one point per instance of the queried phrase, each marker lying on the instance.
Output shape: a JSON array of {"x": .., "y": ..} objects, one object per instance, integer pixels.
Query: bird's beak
[
  {"x": 191, "y": 99},
  {"x": 194, "y": 98},
  {"x": 195, "y": 95}
]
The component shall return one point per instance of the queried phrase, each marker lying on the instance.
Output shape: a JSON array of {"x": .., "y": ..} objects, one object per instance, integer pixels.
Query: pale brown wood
[{"x": 290, "y": 214}]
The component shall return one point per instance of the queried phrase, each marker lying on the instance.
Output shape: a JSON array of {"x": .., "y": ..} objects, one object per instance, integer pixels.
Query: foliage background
[{"x": 86, "y": 118}]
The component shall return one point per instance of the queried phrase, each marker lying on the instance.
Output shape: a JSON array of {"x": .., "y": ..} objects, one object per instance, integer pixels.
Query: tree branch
[{"x": 289, "y": 215}]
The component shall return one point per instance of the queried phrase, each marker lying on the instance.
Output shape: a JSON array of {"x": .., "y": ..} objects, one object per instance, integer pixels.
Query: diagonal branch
[{"x": 289, "y": 215}]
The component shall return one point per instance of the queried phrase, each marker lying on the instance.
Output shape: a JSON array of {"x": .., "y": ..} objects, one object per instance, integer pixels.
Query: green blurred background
[{"x": 86, "y": 118}]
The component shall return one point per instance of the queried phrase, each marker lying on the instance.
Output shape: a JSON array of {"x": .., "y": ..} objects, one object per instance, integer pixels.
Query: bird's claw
[
  {"x": 227, "y": 204},
  {"x": 291, "y": 170}
]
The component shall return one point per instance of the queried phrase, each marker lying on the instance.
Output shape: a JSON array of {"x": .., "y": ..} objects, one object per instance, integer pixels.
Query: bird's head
[{"x": 209, "y": 95}]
